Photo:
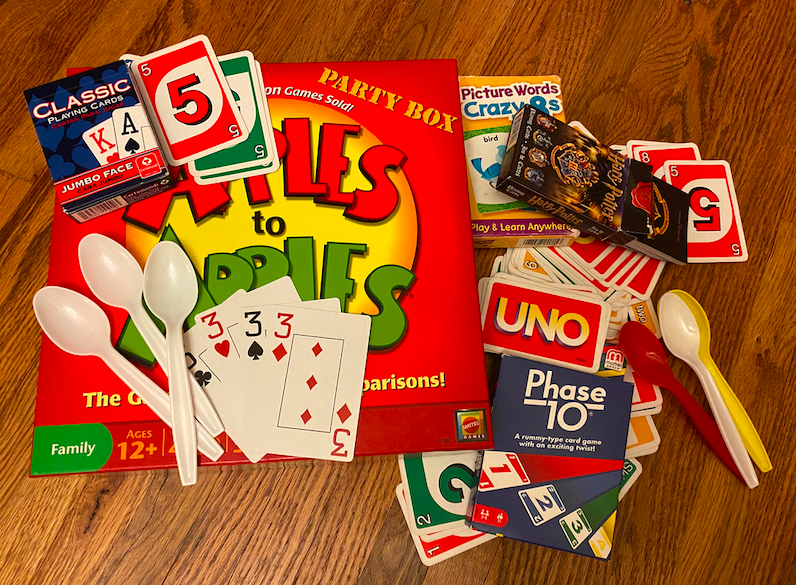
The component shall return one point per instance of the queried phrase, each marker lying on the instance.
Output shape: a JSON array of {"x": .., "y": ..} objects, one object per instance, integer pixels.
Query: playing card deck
[
  {"x": 257, "y": 154},
  {"x": 285, "y": 376},
  {"x": 714, "y": 229},
  {"x": 562, "y": 171},
  {"x": 99, "y": 146},
  {"x": 533, "y": 319},
  {"x": 487, "y": 106},
  {"x": 184, "y": 89},
  {"x": 433, "y": 494},
  {"x": 436, "y": 546},
  {"x": 554, "y": 476}
]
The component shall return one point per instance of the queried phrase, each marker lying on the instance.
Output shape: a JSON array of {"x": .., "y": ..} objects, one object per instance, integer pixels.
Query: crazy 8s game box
[
  {"x": 99, "y": 145},
  {"x": 354, "y": 213},
  {"x": 554, "y": 476}
]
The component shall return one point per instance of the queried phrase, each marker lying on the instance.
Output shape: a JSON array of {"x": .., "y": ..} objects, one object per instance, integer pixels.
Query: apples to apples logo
[{"x": 339, "y": 218}]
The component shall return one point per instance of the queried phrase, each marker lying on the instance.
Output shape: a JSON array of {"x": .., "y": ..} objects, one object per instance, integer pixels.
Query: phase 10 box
[{"x": 99, "y": 144}]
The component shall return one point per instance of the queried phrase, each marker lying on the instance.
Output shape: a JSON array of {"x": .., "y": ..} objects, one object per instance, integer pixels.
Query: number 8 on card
[{"x": 185, "y": 91}]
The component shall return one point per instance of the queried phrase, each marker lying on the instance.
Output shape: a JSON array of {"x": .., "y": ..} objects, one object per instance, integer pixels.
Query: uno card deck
[
  {"x": 642, "y": 437},
  {"x": 433, "y": 547},
  {"x": 186, "y": 94},
  {"x": 554, "y": 476},
  {"x": 543, "y": 322},
  {"x": 93, "y": 132},
  {"x": 715, "y": 233},
  {"x": 437, "y": 488},
  {"x": 257, "y": 154}
]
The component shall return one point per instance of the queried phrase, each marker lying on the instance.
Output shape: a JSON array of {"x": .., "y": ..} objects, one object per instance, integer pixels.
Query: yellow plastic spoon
[{"x": 749, "y": 436}]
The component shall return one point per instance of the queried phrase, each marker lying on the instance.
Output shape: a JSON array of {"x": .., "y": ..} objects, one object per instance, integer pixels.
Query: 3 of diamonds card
[{"x": 314, "y": 365}]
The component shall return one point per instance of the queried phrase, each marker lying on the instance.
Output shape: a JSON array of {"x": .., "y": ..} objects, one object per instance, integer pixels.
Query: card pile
[
  {"x": 715, "y": 232},
  {"x": 434, "y": 492},
  {"x": 285, "y": 376},
  {"x": 207, "y": 111},
  {"x": 555, "y": 474}
]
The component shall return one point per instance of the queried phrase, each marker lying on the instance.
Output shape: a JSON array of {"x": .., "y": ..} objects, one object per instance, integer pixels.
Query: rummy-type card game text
[
  {"x": 488, "y": 105},
  {"x": 100, "y": 147},
  {"x": 356, "y": 214},
  {"x": 554, "y": 475}
]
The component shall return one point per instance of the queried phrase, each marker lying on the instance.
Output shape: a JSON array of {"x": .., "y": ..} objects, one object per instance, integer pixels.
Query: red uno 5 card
[
  {"x": 545, "y": 324},
  {"x": 715, "y": 233},
  {"x": 184, "y": 88}
]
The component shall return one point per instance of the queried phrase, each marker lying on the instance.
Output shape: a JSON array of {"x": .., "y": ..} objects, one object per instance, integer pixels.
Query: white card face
[
  {"x": 542, "y": 503},
  {"x": 438, "y": 546},
  {"x": 101, "y": 141},
  {"x": 215, "y": 344},
  {"x": 501, "y": 470},
  {"x": 313, "y": 365},
  {"x": 132, "y": 130}
]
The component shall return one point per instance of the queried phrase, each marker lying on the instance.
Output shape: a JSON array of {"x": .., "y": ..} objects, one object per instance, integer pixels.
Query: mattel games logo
[
  {"x": 470, "y": 425},
  {"x": 546, "y": 326},
  {"x": 614, "y": 359}
]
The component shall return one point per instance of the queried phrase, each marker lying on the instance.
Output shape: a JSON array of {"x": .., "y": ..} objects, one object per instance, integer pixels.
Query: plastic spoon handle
[
  {"x": 703, "y": 423},
  {"x": 157, "y": 399},
  {"x": 751, "y": 439},
  {"x": 726, "y": 425},
  {"x": 205, "y": 412},
  {"x": 184, "y": 429}
]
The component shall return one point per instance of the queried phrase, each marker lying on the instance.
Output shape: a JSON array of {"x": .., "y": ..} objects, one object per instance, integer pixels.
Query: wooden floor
[{"x": 718, "y": 73}]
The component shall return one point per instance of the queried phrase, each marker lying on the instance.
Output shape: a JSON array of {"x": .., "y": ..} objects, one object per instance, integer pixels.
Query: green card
[
  {"x": 437, "y": 488},
  {"x": 242, "y": 73}
]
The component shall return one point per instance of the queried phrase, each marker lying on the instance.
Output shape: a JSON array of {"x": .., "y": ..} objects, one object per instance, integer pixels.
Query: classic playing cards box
[
  {"x": 355, "y": 214},
  {"x": 100, "y": 148},
  {"x": 562, "y": 171},
  {"x": 553, "y": 477},
  {"x": 488, "y": 104}
]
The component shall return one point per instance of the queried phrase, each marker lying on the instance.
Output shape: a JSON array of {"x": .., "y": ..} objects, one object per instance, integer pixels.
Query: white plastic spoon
[
  {"x": 78, "y": 326},
  {"x": 681, "y": 334},
  {"x": 114, "y": 276},
  {"x": 171, "y": 291}
]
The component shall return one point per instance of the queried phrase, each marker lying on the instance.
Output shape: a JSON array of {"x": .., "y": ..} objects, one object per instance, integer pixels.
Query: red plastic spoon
[{"x": 646, "y": 355}]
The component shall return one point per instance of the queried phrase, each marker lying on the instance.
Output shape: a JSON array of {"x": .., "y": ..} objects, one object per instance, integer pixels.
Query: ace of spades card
[
  {"x": 133, "y": 131},
  {"x": 315, "y": 365}
]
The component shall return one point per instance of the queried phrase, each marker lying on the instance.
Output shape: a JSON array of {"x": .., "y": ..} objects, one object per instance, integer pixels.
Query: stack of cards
[
  {"x": 715, "y": 233},
  {"x": 285, "y": 376},
  {"x": 210, "y": 112},
  {"x": 433, "y": 494},
  {"x": 556, "y": 472}
]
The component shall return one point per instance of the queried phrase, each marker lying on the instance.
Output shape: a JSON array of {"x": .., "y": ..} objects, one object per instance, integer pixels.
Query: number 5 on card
[{"x": 189, "y": 101}]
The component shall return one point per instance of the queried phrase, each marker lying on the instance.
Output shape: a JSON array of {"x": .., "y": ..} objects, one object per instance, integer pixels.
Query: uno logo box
[
  {"x": 100, "y": 148},
  {"x": 559, "y": 170},
  {"x": 544, "y": 323},
  {"x": 554, "y": 476}
]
